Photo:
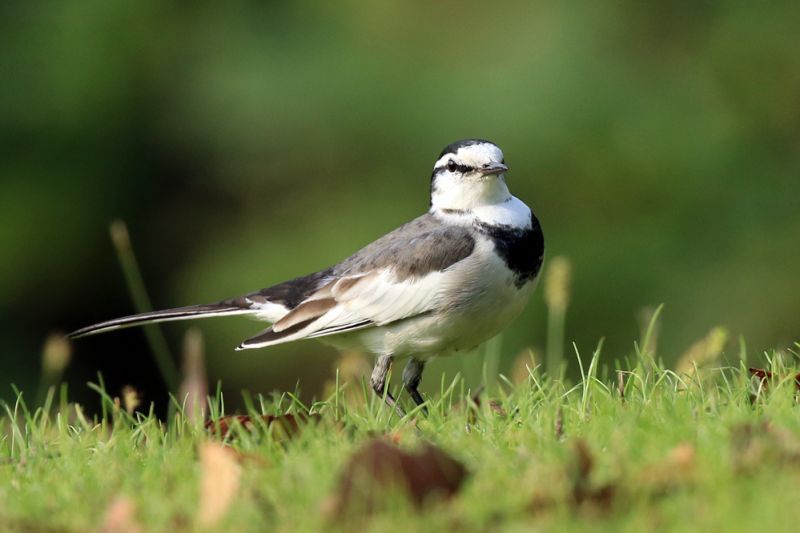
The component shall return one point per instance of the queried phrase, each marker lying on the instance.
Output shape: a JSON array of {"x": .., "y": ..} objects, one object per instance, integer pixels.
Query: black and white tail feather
[
  {"x": 189, "y": 312},
  {"x": 289, "y": 323}
]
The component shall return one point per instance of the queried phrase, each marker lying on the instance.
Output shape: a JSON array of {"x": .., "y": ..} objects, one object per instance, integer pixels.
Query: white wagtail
[{"x": 442, "y": 283}]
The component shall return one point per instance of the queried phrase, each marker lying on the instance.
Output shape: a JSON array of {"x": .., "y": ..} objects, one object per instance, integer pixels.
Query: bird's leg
[
  {"x": 412, "y": 374},
  {"x": 378, "y": 382}
]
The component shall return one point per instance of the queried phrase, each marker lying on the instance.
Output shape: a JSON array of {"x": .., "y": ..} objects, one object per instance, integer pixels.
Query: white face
[{"x": 473, "y": 175}]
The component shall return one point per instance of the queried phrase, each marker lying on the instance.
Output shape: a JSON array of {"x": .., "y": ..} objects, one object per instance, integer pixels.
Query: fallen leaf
[
  {"x": 541, "y": 502},
  {"x": 766, "y": 376},
  {"x": 755, "y": 446},
  {"x": 584, "y": 492},
  {"x": 497, "y": 408},
  {"x": 120, "y": 517},
  {"x": 286, "y": 425},
  {"x": 585, "y": 495},
  {"x": 600, "y": 498},
  {"x": 559, "y": 424},
  {"x": 583, "y": 464},
  {"x": 380, "y": 468},
  {"x": 621, "y": 384},
  {"x": 474, "y": 405},
  {"x": 219, "y": 482}
]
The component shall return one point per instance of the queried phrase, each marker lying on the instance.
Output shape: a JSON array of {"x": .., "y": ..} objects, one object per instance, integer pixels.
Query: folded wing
[{"x": 387, "y": 291}]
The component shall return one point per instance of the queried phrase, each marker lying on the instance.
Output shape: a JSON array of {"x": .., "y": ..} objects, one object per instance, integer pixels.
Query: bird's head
[{"x": 469, "y": 174}]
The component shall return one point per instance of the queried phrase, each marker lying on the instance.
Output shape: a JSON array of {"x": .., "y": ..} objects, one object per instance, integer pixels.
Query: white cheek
[{"x": 454, "y": 192}]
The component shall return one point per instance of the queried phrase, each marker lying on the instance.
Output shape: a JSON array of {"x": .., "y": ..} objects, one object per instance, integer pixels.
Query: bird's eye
[{"x": 451, "y": 166}]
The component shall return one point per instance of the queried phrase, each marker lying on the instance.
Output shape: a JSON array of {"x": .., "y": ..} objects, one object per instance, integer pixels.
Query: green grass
[{"x": 718, "y": 451}]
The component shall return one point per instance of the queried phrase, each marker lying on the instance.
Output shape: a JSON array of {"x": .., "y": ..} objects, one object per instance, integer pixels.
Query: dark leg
[
  {"x": 412, "y": 375},
  {"x": 378, "y": 382}
]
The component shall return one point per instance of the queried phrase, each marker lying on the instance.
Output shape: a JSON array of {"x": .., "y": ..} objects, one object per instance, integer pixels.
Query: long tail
[{"x": 179, "y": 313}]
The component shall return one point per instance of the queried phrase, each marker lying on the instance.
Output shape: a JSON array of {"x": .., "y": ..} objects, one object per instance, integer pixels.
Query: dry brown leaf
[
  {"x": 379, "y": 468},
  {"x": 755, "y": 446},
  {"x": 120, "y": 517},
  {"x": 559, "y": 424},
  {"x": 585, "y": 493},
  {"x": 285, "y": 426},
  {"x": 219, "y": 482},
  {"x": 765, "y": 376},
  {"x": 621, "y": 385},
  {"x": 474, "y": 404},
  {"x": 541, "y": 502},
  {"x": 582, "y": 494}
]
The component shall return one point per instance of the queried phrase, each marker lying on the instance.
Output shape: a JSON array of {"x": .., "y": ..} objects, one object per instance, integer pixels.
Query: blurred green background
[{"x": 249, "y": 142}]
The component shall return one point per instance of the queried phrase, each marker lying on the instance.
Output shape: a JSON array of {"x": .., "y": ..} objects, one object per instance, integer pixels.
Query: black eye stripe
[{"x": 458, "y": 168}]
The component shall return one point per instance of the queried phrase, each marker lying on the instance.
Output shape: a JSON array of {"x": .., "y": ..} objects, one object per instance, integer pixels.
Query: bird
[{"x": 441, "y": 284}]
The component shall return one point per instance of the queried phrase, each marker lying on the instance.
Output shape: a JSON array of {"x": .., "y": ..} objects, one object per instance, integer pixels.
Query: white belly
[{"x": 478, "y": 305}]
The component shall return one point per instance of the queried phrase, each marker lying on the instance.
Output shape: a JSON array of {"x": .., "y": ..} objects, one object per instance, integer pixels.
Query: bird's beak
[{"x": 493, "y": 169}]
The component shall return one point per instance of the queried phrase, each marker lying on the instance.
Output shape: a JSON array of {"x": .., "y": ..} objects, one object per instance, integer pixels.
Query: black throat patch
[{"x": 521, "y": 249}]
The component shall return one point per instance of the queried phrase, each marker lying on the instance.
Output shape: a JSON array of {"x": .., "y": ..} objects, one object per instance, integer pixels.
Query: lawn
[{"x": 712, "y": 447}]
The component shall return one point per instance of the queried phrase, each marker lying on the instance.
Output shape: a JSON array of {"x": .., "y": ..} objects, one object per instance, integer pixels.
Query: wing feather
[
  {"x": 404, "y": 274},
  {"x": 372, "y": 300},
  {"x": 310, "y": 309}
]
